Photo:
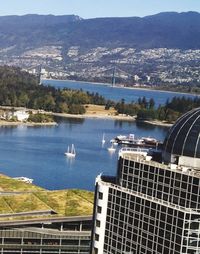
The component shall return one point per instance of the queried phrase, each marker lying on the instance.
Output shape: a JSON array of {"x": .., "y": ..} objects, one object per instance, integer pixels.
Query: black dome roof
[{"x": 184, "y": 136}]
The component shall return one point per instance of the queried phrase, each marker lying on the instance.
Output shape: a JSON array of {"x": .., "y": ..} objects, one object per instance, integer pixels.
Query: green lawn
[
  {"x": 10, "y": 184},
  {"x": 64, "y": 202}
]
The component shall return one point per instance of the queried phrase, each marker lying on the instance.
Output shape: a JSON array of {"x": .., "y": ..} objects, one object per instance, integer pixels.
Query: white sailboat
[
  {"x": 103, "y": 139},
  {"x": 111, "y": 149},
  {"x": 71, "y": 152}
]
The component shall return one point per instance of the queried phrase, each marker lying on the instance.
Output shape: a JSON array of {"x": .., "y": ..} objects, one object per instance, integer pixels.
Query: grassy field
[
  {"x": 99, "y": 110},
  {"x": 33, "y": 198},
  {"x": 10, "y": 184}
]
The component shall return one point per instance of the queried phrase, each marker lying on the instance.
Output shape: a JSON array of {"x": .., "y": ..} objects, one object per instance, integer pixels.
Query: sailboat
[
  {"x": 71, "y": 152},
  {"x": 103, "y": 139},
  {"x": 111, "y": 149}
]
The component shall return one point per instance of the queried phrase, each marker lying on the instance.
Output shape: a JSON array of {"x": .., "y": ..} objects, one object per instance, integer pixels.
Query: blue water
[
  {"x": 117, "y": 93},
  {"x": 38, "y": 152}
]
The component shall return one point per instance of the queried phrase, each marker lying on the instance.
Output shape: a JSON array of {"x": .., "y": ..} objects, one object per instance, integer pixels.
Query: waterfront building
[
  {"x": 21, "y": 115},
  {"x": 152, "y": 205},
  {"x": 58, "y": 235}
]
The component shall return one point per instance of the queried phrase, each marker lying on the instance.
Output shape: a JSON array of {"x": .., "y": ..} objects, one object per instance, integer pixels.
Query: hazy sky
[{"x": 97, "y": 8}]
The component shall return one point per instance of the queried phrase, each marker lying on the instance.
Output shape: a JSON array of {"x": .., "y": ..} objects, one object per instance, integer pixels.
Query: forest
[
  {"x": 170, "y": 112},
  {"x": 20, "y": 89}
]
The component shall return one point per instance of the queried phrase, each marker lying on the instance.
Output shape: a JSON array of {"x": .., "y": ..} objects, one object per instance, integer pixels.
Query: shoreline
[
  {"x": 85, "y": 116},
  {"x": 29, "y": 124},
  {"x": 94, "y": 116},
  {"x": 122, "y": 86},
  {"x": 158, "y": 123},
  {"x": 112, "y": 117}
]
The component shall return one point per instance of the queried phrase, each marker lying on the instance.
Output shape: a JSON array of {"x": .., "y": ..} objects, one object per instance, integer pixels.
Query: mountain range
[
  {"x": 164, "y": 30},
  {"x": 158, "y": 49}
]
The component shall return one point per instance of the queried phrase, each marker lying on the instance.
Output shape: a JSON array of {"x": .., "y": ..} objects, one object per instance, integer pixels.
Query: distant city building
[
  {"x": 43, "y": 71},
  {"x": 136, "y": 78},
  {"x": 148, "y": 78},
  {"x": 152, "y": 206},
  {"x": 20, "y": 115}
]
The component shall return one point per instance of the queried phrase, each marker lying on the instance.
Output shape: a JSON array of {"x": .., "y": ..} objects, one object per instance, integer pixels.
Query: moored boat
[
  {"x": 150, "y": 140},
  {"x": 130, "y": 140},
  {"x": 71, "y": 152},
  {"x": 111, "y": 149}
]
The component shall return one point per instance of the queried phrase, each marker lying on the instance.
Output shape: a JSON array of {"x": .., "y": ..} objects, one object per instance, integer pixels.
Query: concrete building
[
  {"x": 66, "y": 235},
  {"x": 152, "y": 205}
]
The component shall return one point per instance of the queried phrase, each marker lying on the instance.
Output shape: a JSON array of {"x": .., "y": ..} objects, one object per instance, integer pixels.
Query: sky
[{"x": 97, "y": 8}]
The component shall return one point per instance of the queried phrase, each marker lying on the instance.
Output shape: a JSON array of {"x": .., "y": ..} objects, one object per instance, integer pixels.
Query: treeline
[
  {"x": 20, "y": 89},
  {"x": 40, "y": 118},
  {"x": 146, "y": 110}
]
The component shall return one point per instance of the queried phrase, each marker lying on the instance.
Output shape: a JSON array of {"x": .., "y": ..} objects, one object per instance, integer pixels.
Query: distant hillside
[
  {"x": 170, "y": 30},
  {"x": 162, "y": 49},
  {"x": 29, "y": 31}
]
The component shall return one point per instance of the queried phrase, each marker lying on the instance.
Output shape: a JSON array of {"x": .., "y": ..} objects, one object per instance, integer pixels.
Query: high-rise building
[{"x": 152, "y": 206}]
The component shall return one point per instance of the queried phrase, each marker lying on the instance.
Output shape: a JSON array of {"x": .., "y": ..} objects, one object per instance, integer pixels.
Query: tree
[
  {"x": 76, "y": 109},
  {"x": 144, "y": 102},
  {"x": 23, "y": 99},
  {"x": 120, "y": 107},
  {"x": 146, "y": 114},
  {"x": 151, "y": 103},
  {"x": 63, "y": 107}
]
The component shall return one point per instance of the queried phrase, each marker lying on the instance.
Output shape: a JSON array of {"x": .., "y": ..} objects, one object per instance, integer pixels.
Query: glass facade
[
  {"x": 151, "y": 209},
  {"x": 137, "y": 225},
  {"x": 183, "y": 138},
  {"x": 159, "y": 182}
]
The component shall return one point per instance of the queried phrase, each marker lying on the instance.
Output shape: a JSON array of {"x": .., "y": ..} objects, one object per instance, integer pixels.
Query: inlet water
[{"x": 38, "y": 152}]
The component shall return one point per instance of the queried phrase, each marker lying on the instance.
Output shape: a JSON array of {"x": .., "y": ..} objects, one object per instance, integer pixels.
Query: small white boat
[
  {"x": 103, "y": 139},
  {"x": 111, "y": 149},
  {"x": 71, "y": 152}
]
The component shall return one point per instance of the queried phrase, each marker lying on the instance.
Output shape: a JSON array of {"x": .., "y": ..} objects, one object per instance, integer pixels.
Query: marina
[{"x": 132, "y": 141}]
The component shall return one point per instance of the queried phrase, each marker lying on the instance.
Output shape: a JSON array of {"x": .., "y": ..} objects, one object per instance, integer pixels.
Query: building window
[
  {"x": 100, "y": 195},
  {"x": 96, "y": 237},
  {"x": 98, "y": 223},
  {"x": 99, "y": 209},
  {"x": 95, "y": 251}
]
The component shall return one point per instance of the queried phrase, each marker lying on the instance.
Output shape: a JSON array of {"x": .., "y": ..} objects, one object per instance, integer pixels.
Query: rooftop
[
  {"x": 183, "y": 138},
  {"x": 21, "y": 200},
  {"x": 173, "y": 167}
]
